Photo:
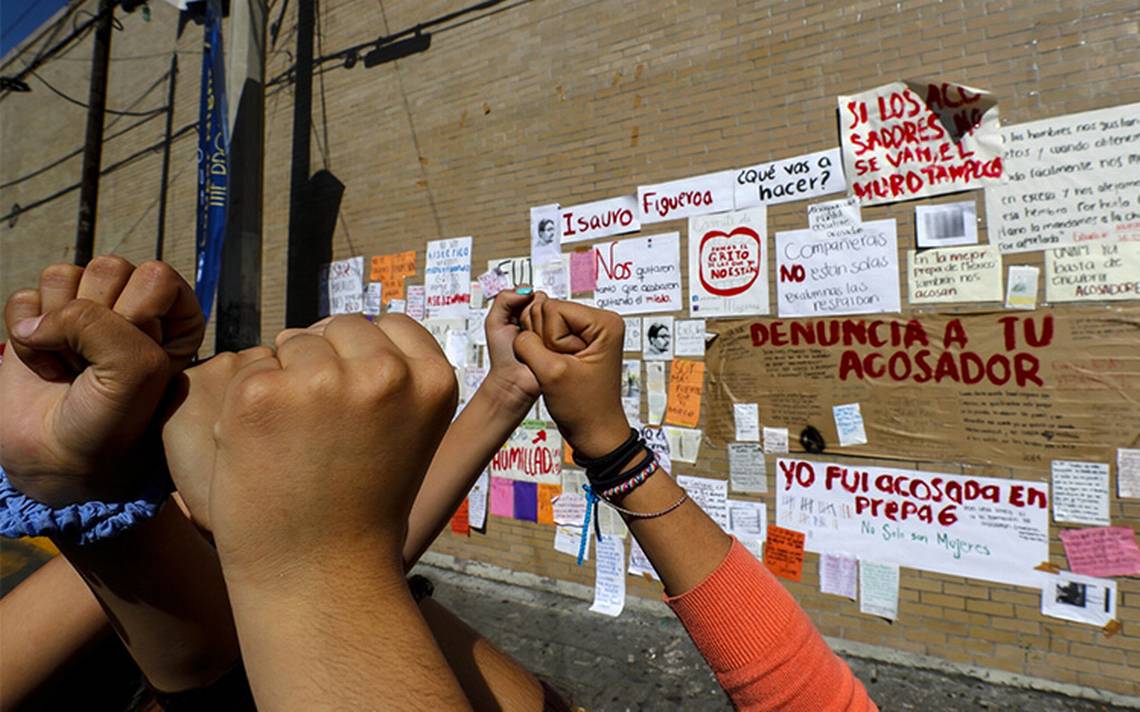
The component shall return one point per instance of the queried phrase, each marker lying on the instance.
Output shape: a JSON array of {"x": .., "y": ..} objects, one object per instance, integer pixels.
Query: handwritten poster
[
  {"x": 1081, "y": 599},
  {"x": 416, "y": 302},
  {"x": 879, "y": 589},
  {"x": 946, "y": 224},
  {"x": 533, "y": 453},
  {"x": 747, "y": 471},
  {"x": 372, "y": 297},
  {"x": 391, "y": 271},
  {"x": 954, "y": 274},
  {"x": 986, "y": 528},
  {"x": 1072, "y": 180},
  {"x": 838, "y": 574},
  {"x": 602, "y": 218},
  {"x": 849, "y": 424},
  {"x": 656, "y": 441},
  {"x": 632, "y": 339},
  {"x": 553, "y": 277},
  {"x": 710, "y": 495},
  {"x": 788, "y": 179},
  {"x": 516, "y": 270},
  {"x": 570, "y": 509},
  {"x": 447, "y": 277},
  {"x": 1096, "y": 272},
  {"x": 1021, "y": 289},
  {"x": 655, "y": 383},
  {"x": 1103, "y": 551},
  {"x": 346, "y": 286},
  {"x": 1128, "y": 473},
  {"x": 784, "y": 552},
  {"x": 639, "y": 275},
  {"x": 686, "y": 380},
  {"x": 907, "y": 140},
  {"x": 1080, "y": 492},
  {"x": 567, "y": 539},
  {"x": 748, "y": 522},
  {"x": 690, "y": 339},
  {"x": 699, "y": 195},
  {"x": 477, "y": 501},
  {"x": 836, "y": 218},
  {"x": 845, "y": 275},
  {"x": 775, "y": 440},
  {"x": 746, "y": 416},
  {"x": 609, "y": 576},
  {"x": 492, "y": 282},
  {"x": 728, "y": 263}
]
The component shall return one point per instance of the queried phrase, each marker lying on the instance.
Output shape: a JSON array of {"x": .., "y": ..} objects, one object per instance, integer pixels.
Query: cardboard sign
[
  {"x": 728, "y": 264},
  {"x": 686, "y": 379},
  {"x": 1015, "y": 389},
  {"x": 784, "y": 552},
  {"x": 699, "y": 195},
  {"x": 1093, "y": 273},
  {"x": 602, "y": 218},
  {"x": 907, "y": 140},
  {"x": 533, "y": 453},
  {"x": 447, "y": 277},
  {"x": 788, "y": 179},
  {"x": 391, "y": 270},
  {"x": 856, "y": 274},
  {"x": 1072, "y": 180},
  {"x": 641, "y": 275}
]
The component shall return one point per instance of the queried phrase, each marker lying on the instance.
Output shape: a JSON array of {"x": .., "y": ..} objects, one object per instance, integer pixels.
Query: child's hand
[{"x": 575, "y": 352}]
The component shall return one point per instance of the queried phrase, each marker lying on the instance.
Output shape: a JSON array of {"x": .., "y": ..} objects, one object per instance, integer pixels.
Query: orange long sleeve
[{"x": 765, "y": 651}]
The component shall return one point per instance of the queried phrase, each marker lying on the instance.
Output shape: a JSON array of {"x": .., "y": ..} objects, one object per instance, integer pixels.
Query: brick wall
[{"x": 576, "y": 100}]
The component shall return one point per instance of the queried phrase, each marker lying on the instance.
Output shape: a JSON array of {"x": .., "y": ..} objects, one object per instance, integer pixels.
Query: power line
[
  {"x": 74, "y": 36},
  {"x": 115, "y": 112}
]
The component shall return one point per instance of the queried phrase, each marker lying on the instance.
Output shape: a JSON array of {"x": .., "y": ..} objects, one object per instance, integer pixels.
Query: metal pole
[
  {"x": 160, "y": 240},
  {"x": 302, "y": 278},
  {"x": 93, "y": 146}
]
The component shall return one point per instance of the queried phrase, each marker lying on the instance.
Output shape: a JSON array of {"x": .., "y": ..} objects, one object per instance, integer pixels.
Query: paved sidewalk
[{"x": 643, "y": 662}]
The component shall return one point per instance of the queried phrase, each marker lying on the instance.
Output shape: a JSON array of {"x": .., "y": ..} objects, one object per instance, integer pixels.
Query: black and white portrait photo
[
  {"x": 658, "y": 334},
  {"x": 545, "y": 234}
]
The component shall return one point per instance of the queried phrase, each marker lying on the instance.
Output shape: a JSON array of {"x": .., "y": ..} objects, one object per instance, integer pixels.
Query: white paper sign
[
  {"x": 747, "y": 471},
  {"x": 493, "y": 282},
  {"x": 849, "y": 424},
  {"x": 728, "y": 264},
  {"x": 986, "y": 528},
  {"x": 553, "y": 277},
  {"x": 710, "y": 495},
  {"x": 655, "y": 383},
  {"x": 946, "y": 225},
  {"x": 1082, "y": 599},
  {"x": 372, "y": 298},
  {"x": 515, "y": 270},
  {"x": 907, "y": 140},
  {"x": 658, "y": 332},
  {"x": 477, "y": 501},
  {"x": 1080, "y": 492},
  {"x": 569, "y": 508},
  {"x": 447, "y": 277},
  {"x": 632, "y": 334},
  {"x": 567, "y": 540},
  {"x": 1100, "y": 272},
  {"x": 954, "y": 274},
  {"x": 747, "y": 521},
  {"x": 640, "y": 275},
  {"x": 1021, "y": 292},
  {"x": 788, "y": 179},
  {"x": 1072, "y": 179},
  {"x": 847, "y": 275},
  {"x": 775, "y": 440},
  {"x": 417, "y": 300},
  {"x": 346, "y": 286},
  {"x": 836, "y": 218},
  {"x": 690, "y": 337},
  {"x": 533, "y": 453},
  {"x": 545, "y": 233},
  {"x": 684, "y": 443},
  {"x": 602, "y": 218},
  {"x": 397, "y": 306},
  {"x": 879, "y": 589},
  {"x": 609, "y": 576},
  {"x": 656, "y": 441},
  {"x": 1128, "y": 473},
  {"x": 746, "y": 417},
  {"x": 838, "y": 575},
  {"x": 699, "y": 195}
]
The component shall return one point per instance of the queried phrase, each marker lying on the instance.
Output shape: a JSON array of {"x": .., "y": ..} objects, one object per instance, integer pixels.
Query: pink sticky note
[
  {"x": 583, "y": 272},
  {"x": 1102, "y": 551},
  {"x": 502, "y": 497}
]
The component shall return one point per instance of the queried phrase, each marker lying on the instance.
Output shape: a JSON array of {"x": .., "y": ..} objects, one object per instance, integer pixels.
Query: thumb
[
  {"x": 546, "y": 365},
  {"x": 126, "y": 372}
]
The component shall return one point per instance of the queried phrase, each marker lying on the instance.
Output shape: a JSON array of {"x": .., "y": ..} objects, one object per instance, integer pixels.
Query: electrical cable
[{"x": 113, "y": 112}]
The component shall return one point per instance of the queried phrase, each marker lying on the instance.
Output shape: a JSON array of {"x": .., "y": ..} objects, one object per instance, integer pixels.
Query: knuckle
[
  {"x": 59, "y": 275},
  {"x": 109, "y": 265},
  {"x": 255, "y": 396},
  {"x": 322, "y": 380},
  {"x": 157, "y": 274},
  {"x": 255, "y": 353}
]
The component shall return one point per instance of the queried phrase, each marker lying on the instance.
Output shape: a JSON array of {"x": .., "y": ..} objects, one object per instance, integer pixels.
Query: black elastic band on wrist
[
  {"x": 606, "y": 461},
  {"x": 623, "y": 473}
]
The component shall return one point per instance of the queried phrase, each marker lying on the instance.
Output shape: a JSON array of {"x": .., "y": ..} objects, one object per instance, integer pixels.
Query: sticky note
[
  {"x": 686, "y": 379},
  {"x": 784, "y": 552}
]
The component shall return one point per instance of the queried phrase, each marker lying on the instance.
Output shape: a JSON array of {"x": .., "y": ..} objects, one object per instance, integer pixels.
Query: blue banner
[{"x": 213, "y": 161}]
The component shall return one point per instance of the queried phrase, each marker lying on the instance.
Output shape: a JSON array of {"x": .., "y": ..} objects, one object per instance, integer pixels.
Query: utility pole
[
  {"x": 93, "y": 146},
  {"x": 239, "y": 283},
  {"x": 172, "y": 81},
  {"x": 302, "y": 277}
]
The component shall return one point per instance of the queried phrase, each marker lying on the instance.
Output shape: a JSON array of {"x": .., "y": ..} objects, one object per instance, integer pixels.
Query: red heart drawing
[{"x": 740, "y": 266}]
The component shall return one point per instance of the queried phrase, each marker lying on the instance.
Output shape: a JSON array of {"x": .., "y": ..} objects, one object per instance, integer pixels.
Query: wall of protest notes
[{"x": 901, "y": 365}]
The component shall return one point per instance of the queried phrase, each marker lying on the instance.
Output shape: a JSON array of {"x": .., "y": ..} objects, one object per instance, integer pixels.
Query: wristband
[{"x": 80, "y": 523}]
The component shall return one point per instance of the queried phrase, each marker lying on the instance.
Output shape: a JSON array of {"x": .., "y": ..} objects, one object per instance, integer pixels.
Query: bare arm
[{"x": 494, "y": 411}]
